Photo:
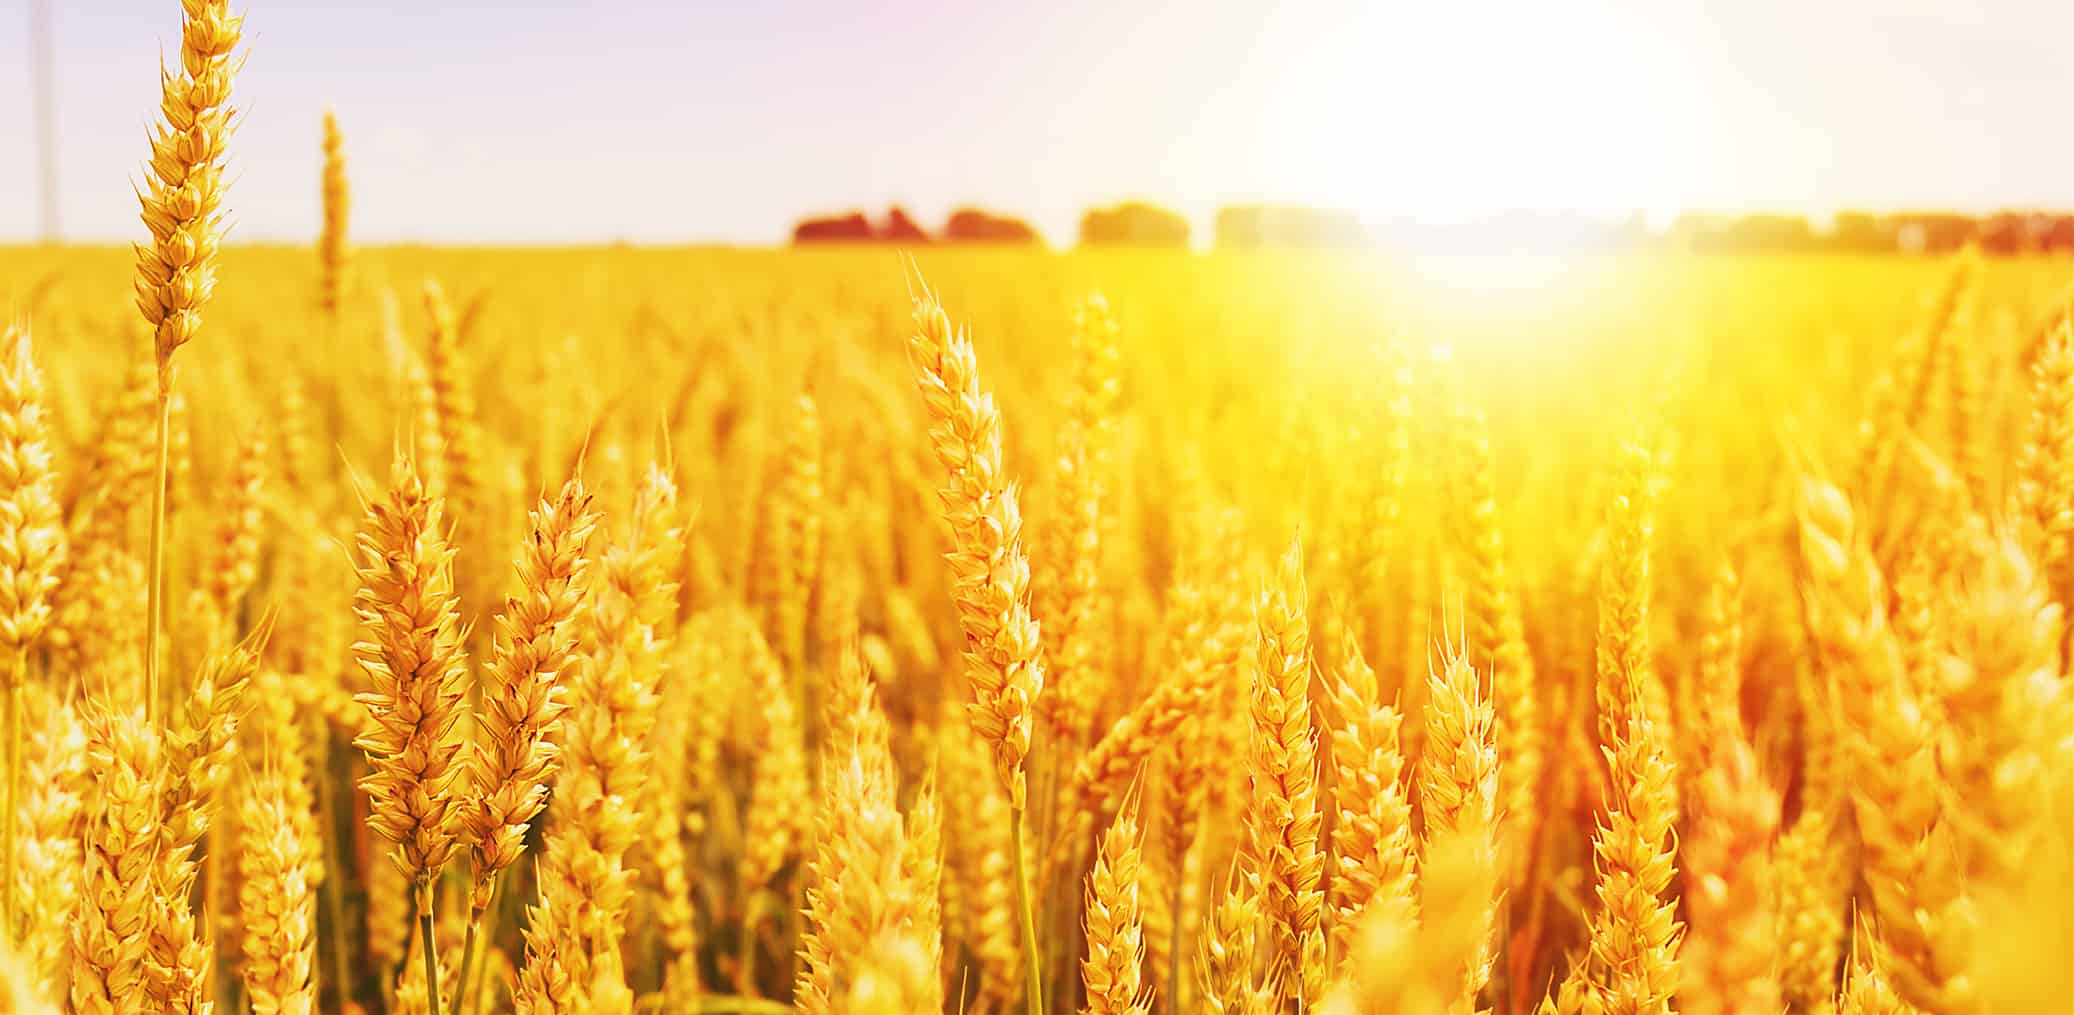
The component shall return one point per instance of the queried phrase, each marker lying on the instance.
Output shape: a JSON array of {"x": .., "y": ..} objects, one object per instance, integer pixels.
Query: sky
[{"x": 704, "y": 121}]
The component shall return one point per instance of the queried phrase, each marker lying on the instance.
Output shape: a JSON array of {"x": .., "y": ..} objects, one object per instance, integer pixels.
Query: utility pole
[{"x": 44, "y": 89}]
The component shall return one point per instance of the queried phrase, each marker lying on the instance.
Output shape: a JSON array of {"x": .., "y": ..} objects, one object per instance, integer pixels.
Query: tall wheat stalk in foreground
[
  {"x": 176, "y": 271},
  {"x": 517, "y": 751},
  {"x": 991, "y": 574},
  {"x": 415, "y": 663},
  {"x": 1633, "y": 962},
  {"x": 1285, "y": 820}
]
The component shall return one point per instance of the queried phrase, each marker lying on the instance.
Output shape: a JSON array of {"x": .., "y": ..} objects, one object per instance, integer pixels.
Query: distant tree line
[
  {"x": 966, "y": 225},
  {"x": 1260, "y": 226}
]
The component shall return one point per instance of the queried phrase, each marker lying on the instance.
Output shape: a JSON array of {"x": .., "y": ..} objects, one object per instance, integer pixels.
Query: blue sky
[{"x": 651, "y": 122}]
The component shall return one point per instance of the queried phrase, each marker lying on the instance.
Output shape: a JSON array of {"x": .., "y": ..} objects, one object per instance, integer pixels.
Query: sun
[{"x": 1429, "y": 114}]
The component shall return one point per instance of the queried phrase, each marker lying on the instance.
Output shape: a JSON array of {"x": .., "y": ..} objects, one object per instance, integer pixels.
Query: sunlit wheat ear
[
  {"x": 573, "y": 935},
  {"x": 28, "y": 493},
  {"x": 417, "y": 783},
  {"x": 525, "y": 689},
  {"x": 990, "y": 577},
  {"x": 991, "y": 573},
  {"x": 1459, "y": 777},
  {"x": 414, "y": 663},
  {"x": 110, "y": 937},
  {"x": 1372, "y": 853},
  {"x": 199, "y": 744},
  {"x": 183, "y": 191},
  {"x": 33, "y": 535},
  {"x": 1634, "y": 932},
  {"x": 1285, "y": 819},
  {"x": 863, "y": 878},
  {"x": 1113, "y": 969},
  {"x": 49, "y": 859},
  {"x": 182, "y": 200},
  {"x": 1231, "y": 946},
  {"x": 275, "y": 905}
]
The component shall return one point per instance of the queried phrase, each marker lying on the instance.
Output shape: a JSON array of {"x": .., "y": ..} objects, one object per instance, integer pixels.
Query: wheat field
[{"x": 400, "y": 630}]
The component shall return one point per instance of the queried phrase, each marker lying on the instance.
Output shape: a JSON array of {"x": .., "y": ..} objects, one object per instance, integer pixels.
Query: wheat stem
[
  {"x": 470, "y": 998},
  {"x": 1022, "y": 904},
  {"x": 429, "y": 948},
  {"x": 154, "y": 593}
]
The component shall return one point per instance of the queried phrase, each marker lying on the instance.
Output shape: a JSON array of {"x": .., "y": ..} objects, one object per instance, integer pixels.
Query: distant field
[{"x": 1404, "y": 547}]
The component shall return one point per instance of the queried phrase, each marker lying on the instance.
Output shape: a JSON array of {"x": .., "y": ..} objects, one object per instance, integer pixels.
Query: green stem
[
  {"x": 425, "y": 902},
  {"x": 1022, "y": 904},
  {"x": 154, "y": 591}
]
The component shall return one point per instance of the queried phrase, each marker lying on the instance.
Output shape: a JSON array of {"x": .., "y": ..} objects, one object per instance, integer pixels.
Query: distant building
[
  {"x": 972, "y": 225},
  {"x": 1134, "y": 224},
  {"x": 899, "y": 228},
  {"x": 851, "y": 228}
]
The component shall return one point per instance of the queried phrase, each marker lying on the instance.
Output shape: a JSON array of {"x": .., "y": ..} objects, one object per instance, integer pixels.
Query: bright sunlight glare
[{"x": 1432, "y": 115}]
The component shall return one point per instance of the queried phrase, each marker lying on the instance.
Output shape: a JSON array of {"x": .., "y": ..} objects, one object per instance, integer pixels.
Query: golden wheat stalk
[
  {"x": 417, "y": 777},
  {"x": 1112, "y": 970},
  {"x": 574, "y": 935},
  {"x": 49, "y": 864},
  {"x": 33, "y": 536},
  {"x": 275, "y": 906},
  {"x": 1231, "y": 947},
  {"x": 182, "y": 207},
  {"x": 1372, "y": 858},
  {"x": 515, "y": 753},
  {"x": 1633, "y": 962},
  {"x": 110, "y": 936},
  {"x": 860, "y": 885},
  {"x": 990, "y": 572},
  {"x": 1285, "y": 820}
]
